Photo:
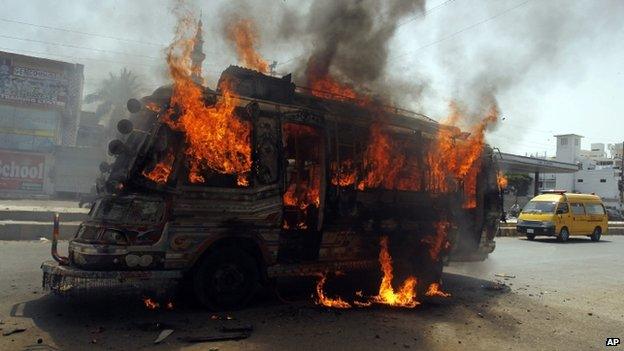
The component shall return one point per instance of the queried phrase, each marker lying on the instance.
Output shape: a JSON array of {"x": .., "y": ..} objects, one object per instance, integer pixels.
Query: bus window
[{"x": 302, "y": 150}]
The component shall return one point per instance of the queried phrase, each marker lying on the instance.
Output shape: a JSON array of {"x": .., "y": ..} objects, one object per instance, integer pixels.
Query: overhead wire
[
  {"x": 83, "y": 33},
  {"x": 462, "y": 30}
]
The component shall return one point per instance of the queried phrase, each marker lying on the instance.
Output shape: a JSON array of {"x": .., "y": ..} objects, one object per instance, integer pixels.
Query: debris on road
[
  {"x": 480, "y": 314},
  {"x": 247, "y": 328},
  {"x": 495, "y": 286},
  {"x": 218, "y": 337},
  {"x": 152, "y": 326},
  {"x": 504, "y": 275},
  {"x": 13, "y": 331},
  {"x": 163, "y": 335}
]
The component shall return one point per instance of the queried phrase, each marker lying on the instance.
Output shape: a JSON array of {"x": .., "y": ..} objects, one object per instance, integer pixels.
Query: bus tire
[
  {"x": 226, "y": 279},
  {"x": 564, "y": 235},
  {"x": 596, "y": 234}
]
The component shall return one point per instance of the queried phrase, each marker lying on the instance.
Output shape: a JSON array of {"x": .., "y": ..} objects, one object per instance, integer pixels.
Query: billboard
[
  {"x": 21, "y": 172},
  {"x": 49, "y": 94},
  {"x": 28, "y": 129},
  {"x": 32, "y": 85}
]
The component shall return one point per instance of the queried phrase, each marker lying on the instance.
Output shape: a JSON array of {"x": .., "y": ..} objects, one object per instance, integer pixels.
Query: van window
[
  {"x": 595, "y": 209},
  {"x": 577, "y": 209},
  {"x": 563, "y": 207},
  {"x": 540, "y": 206}
]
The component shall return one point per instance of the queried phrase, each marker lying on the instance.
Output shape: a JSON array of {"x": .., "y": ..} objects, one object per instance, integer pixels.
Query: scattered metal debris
[
  {"x": 163, "y": 335},
  {"x": 504, "y": 275},
  {"x": 495, "y": 286},
  {"x": 247, "y": 328},
  {"x": 13, "y": 331},
  {"x": 217, "y": 337}
]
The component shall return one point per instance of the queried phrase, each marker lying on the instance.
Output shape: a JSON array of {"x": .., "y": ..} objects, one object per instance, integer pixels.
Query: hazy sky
[{"x": 555, "y": 66}]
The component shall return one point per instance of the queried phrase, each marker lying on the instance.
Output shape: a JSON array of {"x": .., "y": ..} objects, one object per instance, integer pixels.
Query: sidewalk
[{"x": 31, "y": 219}]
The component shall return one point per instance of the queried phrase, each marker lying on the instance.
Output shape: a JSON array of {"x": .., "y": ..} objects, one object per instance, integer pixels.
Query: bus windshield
[
  {"x": 129, "y": 210},
  {"x": 540, "y": 207}
]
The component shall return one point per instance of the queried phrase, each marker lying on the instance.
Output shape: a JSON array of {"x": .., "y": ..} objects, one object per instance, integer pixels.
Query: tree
[
  {"x": 112, "y": 96},
  {"x": 520, "y": 183}
]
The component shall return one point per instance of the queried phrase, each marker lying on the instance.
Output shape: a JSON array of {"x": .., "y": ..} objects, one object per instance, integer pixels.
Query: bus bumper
[{"x": 69, "y": 280}]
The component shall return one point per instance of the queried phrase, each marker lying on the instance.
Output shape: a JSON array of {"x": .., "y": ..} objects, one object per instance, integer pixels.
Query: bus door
[
  {"x": 579, "y": 219},
  {"x": 303, "y": 195}
]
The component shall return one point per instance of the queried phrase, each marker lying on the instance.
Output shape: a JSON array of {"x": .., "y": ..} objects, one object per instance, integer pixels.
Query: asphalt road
[{"x": 563, "y": 297}]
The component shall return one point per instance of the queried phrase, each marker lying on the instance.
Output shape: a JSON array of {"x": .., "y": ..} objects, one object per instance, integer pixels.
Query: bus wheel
[
  {"x": 531, "y": 237},
  {"x": 596, "y": 234},
  {"x": 226, "y": 279},
  {"x": 564, "y": 235}
]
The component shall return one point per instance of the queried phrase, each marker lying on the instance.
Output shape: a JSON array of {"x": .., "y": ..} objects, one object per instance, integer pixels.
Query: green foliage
[
  {"x": 112, "y": 96},
  {"x": 519, "y": 182}
]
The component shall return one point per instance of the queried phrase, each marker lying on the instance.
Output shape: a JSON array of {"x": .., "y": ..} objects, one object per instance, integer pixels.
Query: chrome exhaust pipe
[{"x": 55, "y": 237}]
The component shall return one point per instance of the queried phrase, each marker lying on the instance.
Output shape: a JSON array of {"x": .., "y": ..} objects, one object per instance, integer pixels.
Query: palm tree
[{"x": 112, "y": 96}]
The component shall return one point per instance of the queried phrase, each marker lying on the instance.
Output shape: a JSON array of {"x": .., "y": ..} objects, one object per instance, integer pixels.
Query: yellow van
[{"x": 561, "y": 214}]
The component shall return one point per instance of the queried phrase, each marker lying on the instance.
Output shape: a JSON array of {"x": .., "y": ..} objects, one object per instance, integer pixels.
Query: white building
[{"x": 599, "y": 170}]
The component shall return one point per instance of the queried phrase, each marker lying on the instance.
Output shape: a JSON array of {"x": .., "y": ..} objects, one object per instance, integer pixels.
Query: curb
[
  {"x": 41, "y": 216},
  {"x": 511, "y": 231},
  {"x": 26, "y": 230}
]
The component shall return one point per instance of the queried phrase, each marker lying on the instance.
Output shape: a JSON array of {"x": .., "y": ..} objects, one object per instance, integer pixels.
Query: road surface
[{"x": 563, "y": 297}]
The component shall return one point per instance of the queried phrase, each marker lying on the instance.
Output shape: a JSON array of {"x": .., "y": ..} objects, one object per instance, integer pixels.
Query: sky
[{"x": 554, "y": 66}]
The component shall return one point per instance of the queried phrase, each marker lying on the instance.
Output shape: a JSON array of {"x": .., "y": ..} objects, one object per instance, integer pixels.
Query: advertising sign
[
  {"x": 28, "y": 129},
  {"x": 31, "y": 86},
  {"x": 21, "y": 172}
]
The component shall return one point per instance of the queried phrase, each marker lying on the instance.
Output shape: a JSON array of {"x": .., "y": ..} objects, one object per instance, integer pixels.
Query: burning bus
[{"x": 260, "y": 179}]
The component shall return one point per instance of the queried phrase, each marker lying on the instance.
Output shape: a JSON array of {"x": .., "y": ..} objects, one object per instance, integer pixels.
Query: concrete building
[
  {"x": 40, "y": 103},
  {"x": 600, "y": 169}
]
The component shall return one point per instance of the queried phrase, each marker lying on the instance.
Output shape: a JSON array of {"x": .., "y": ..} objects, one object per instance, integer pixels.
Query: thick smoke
[
  {"x": 535, "y": 43},
  {"x": 350, "y": 38}
]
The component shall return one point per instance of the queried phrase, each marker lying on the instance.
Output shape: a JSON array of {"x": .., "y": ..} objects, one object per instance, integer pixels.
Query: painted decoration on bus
[{"x": 23, "y": 172}]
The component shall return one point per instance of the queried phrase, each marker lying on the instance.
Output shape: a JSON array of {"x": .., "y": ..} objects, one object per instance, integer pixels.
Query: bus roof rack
[{"x": 554, "y": 191}]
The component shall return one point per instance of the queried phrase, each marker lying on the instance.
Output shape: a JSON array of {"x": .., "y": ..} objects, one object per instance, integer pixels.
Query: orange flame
[
  {"x": 216, "y": 139},
  {"x": 321, "y": 299},
  {"x": 435, "y": 290},
  {"x": 244, "y": 35},
  {"x": 390, "y": 163},
  {"x": 150, "y": 304},
  {"x": 501, "y": 180},
  {"x": 305, "y": 190},
  {"x": 439, "y": 241},
  {"x": 162, "y": 170},
  {"x": 344, "y": 174},
  {"x": 328, "y": 88},
  {"x": 452, "y": 160},
  {"x": 406, "y": 295}
]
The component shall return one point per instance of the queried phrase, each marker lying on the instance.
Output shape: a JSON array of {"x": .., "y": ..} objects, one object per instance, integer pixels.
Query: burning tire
[{"x": 226, "y": 279}]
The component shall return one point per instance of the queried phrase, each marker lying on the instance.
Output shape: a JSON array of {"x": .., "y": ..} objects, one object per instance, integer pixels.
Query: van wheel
[
  {"x": 531, "y": 237},
  {"x": 226, "y": 279},
  {"x": 596, "y": 234},
  {"x": 564, "y": 235}
]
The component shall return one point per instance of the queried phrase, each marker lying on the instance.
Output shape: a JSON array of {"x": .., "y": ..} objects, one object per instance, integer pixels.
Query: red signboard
[{"x": 22, "y": 172}]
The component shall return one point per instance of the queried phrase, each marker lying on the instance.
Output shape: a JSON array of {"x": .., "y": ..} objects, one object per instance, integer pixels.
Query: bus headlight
[{"x": 114, "y": 237}]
